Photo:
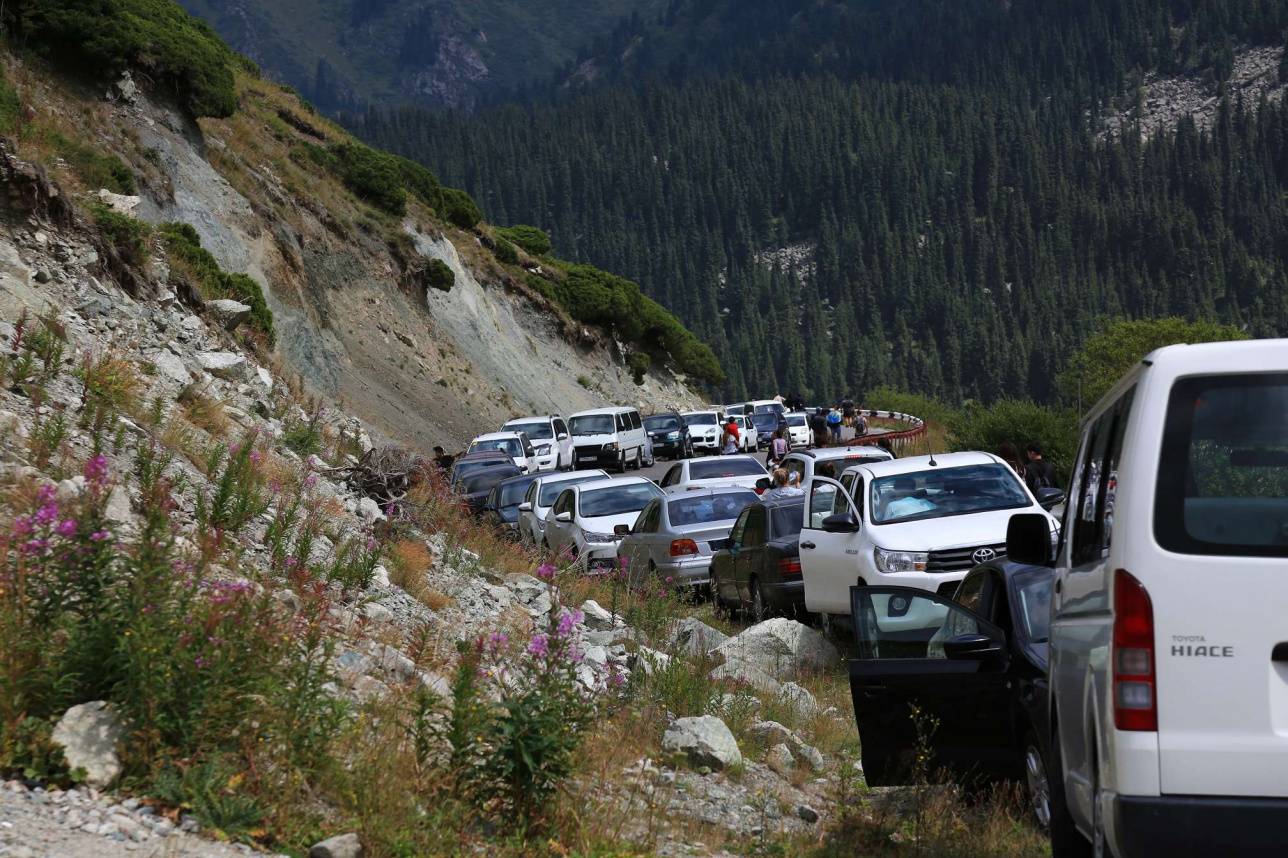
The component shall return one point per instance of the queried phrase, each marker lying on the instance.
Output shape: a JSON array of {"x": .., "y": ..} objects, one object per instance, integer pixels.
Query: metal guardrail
[{"x": 898, "y": 439}]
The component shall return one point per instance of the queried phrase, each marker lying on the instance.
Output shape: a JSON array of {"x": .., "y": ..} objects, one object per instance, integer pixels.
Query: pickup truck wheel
[
  {"x": 760, "y": 609},
  {"x": 1066, "y": 840},
  {"x": 1039, "y": 785}
]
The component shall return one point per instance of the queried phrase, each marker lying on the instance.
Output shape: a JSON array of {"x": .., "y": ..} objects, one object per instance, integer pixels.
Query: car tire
[
  {"x": 760, "y": 607},
  {"x": 1037, "y": 781},
  {"x": 639, "y": 459},
  {"x": 1066, "y": 840},
  {"x": 621, "y": 462}
]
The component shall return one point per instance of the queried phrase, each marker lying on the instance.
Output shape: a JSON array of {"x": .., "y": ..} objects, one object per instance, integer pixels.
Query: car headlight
[
  {"x": 543, "y": 450},
  {"x": 671, "y": 436},
  {"x": 614, "y": 446},
  {"x": 592, "y": 536},
  {"x": 900, "y": 561}
]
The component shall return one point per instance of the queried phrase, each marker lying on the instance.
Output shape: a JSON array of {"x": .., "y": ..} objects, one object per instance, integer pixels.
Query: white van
[
  {"x": 609, "y": 438},
  {"x": 1169, "y": 615}
]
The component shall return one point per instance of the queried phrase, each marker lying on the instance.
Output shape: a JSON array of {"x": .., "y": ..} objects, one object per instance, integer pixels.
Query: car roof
[
  {"x": 519, "y": 478},
  {"x": 703, "y": 411},
  {"x": 663, "y": 414},
  {"x": 912, "y": 464},
  {"x": 536, "y": 418},
  {"x": 480, "y": 455},
  {"x": 611, "y": 481},
  {"x": 825, "y": 453},
  {"x": 709, "y": 491},
  {"x": 612, "y": 409},
  {"x": 726, "y": 458},
  {"x": 561, "y": 477},
  {"x": 498, "y": 436},
  {"x": 775, "y": 503}
]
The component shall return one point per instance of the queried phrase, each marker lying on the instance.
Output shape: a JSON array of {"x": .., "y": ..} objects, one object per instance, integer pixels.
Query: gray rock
[
  {"x": 228, "y": 313},
  {"x": 369, "y": 511},
  {"x": 704, "y": 740},
  {"x": 340, "y": 846},
  {"x": 781, "y": 648},
  {"x": 42, "y": 276},
  {"x": 69, "y": 490},
  {"x": 650, "y": 660},
  {"x": 226, "y": 365},
  {"x": 799, "y": 699},
  {"x": 119, "y": 203},
  {"x": 693, "y": 637},
  {"x": 118, "y": 510},
  {"x": 598, "y": 618},
  {"x": 169, "y": 366},
  {"x": 393, "y": 661},
  {"x": 807, "y": 813},
  {"x": 745, "y": 673},
  {"x": 380, "y": 577},
  {"x": 780, "y": 759},
  {"x": 770, "y": 733},
  {"x": 12, "y": 425},
  {"x": 88, "y": 735}
]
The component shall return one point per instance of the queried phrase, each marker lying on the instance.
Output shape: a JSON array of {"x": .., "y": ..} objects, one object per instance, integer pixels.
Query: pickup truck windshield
[
  {"x": 592, "y": 424},
  {"x": 946, "y": 491},
  {"x": 662, "y": 424},
  {"x": 534, "y": 431},
  {"x": 509, "y": 446}
]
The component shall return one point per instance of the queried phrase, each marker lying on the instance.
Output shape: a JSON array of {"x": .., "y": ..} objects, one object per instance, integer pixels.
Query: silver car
[{"x": 675, "y": 536}]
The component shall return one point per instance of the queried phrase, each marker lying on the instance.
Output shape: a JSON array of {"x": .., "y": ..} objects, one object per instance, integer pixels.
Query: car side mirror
[
  {"x": 622, "y": 530},
  {"x": 1028, "y": 539},
  {"x": 1050, "y": 497},
  {"x": 563, "y": 436},
  {"x": 563, "y": 516},
  {"x": 843, "y": 523},
  {"x": 525, "y": 507},
  {"x": 972, "y": 647}
]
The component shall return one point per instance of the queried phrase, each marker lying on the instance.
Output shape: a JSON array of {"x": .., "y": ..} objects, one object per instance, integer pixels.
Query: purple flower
[
  {"x": 200, "y": 662},
  {"x": 256, "y": 457},
  {"x": 539, "y": 646},
  {"x": 567, "y": 621},
  {"x": 35, "y": 546},
  {"x": 66, "y": 527},
  {"x": 497, "y": 641},
  {"x": 47, "y": 514},
  {"x": 46, "y": 494},
  {"x": 96, "y": 470},
  {"x": 22, "y": 525},
  {"x": 616, "y": 680},
  {"x": 310, "y": 481},
  {"x": 371, "y": 543},
  {"x": 546, "y": 571},
  {"x": 100, "y": 535}
]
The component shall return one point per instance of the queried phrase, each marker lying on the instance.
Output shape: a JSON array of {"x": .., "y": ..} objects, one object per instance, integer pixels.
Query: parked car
[
  {"x": 760, "y": 571},
  {"x": 502, "y": 505},
  {"x": 920, "y": 522},
  {"x": 748, "y": 438},
  {"x": 767, "y": 423},
  {"x": 474, "y": 488},
  {"x": 973, "y": 665},
  {"x": 585, "y": 516},
  {"x": 739, "y": 408},
  {"x": 472, "y": 462},
  {"x": 831, "y": 461},
  {"x": 711, "y": 471},
  {"x": 1169, "y": 666},
  {"x": 608, "y": 437},
  {"x": 670, "y": 435},
  {"x": 675, "y": 537},
  {"x": 550, "y": 438},
  {"x": 761, "y": 406},
  {"x": 705, "y": 430},
  {"x": 541, "y": 496},
  {"x": 798, "y": 426},
  {"x": 514, "y": 444}
]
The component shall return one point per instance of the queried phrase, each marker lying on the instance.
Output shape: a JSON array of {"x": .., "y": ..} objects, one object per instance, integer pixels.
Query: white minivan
[
  {"x": 608, "y": 438},
  {"x": 549, "y": 435},
  {"x": 1169, "y": 616},
  {"x": 923, "y": 521}
]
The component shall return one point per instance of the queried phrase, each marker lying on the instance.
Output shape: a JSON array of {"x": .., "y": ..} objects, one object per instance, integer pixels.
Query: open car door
[{"x": 930, "y": 688}]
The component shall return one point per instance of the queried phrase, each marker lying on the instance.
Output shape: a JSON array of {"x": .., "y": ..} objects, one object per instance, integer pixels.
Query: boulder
[
  {"x": 807, "y": 813},
  {"x": 650, "y": 661},
  {"x": 704, "y": 740},
  {"x": 369, "y": 511},
  {"x": 226, "y": 365},
  {"x": 799, "y": 699},
  {"x": 118, "y": 510},
  {"x": 746, "y": 674},
  {"x": 779, "y": 758},
  {"x": 597, "y": 617},
  {"x": 169, "y": 366},
  {"x": 781, "y": 648},
  {"x": 693, "y": 637},
  {"x": 88, "y": 735},
  {"x": 228, "y": 313},
  {"x": 770, "y": 733},
  {"x": 12, "y": 426},
  {"x": 119, "y": 203},
  {"x": 340, "y": 846}
]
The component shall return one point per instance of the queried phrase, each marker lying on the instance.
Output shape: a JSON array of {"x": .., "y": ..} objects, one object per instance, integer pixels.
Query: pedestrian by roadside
[
  {"x": 818, "y": 425},
  {"x": 888, "y": 447},
  {"x": 778, "y": 449},
  {"x": 1010, "y": 454},
  {"x": 730, "y": 439},
  {"x": 834, "y": 419},
  {"x": 442, "y": 460},
  {"x": 1038, "y": 473},
  {"x": 781, "y": 486}
]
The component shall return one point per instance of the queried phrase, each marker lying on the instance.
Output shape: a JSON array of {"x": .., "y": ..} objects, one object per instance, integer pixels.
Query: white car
[
  {"x": 705, "y": 429},
  {"x": 748, "y": 437},
  {"x": 798, "y": 426},
  {"x": 541, "y": 496},
  {"x": 711, "y": 471},
  {"x": 831, "y": 461},
  {"x": 549, "y": 436},
  {"x": 582, "y": 522},
  {"x": 514, "y": 444},
  {"x": 609, "y": 437},
  {"x": 1168, "y": 642},
  {"x": 921, "y": 522}
]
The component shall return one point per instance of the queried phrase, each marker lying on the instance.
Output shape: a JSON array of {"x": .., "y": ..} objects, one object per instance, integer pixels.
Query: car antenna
[{"x": 930, "y": 451}]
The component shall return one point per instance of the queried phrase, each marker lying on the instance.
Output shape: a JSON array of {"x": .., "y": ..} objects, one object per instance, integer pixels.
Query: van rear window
[{"x": 1223, "y": 473}]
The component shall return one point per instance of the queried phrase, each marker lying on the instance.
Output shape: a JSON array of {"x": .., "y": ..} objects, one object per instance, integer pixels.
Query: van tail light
[
  {"x": 683, "y": 547},
  {"x": 789, "y": 566},
  {"x": 1135, "y": 691}
]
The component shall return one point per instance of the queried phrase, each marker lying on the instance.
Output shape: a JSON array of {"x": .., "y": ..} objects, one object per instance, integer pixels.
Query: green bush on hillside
[
  {"x": 460, "y": 209},
  {"x": 440, "y": 276},
  {"x": 531, "y": 239},
  {"x": 926, "y": 407},
  {"x": 373, "y": 176},
  {"x": 128, "y": 235},
  {"x": 420, "y": 182},
  {"x": 184, "y": 245},
  {"x": 157, "y": 37},
  {"x": 638, "y": 363},
  {"x": 506, "y": 252},
  {"x": 1021, "y": 422},
  {"x": 10, "y": 106}
]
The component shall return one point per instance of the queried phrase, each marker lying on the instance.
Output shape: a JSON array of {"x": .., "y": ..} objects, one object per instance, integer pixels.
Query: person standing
[
  {"x": 1038, "y": 473},
  {"x": 1010, "y": 454},
  {"x": 778, "y": 448},
  {"x": 834, "y": 425},
  {"x": 818, "y": 425},
  {"x": 731, "y": 439}
]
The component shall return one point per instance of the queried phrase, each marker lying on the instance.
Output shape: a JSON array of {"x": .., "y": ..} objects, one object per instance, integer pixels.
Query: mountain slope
[{"x": 444, "y": 53}]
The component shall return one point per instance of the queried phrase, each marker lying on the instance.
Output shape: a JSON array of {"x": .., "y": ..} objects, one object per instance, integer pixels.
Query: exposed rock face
[
  {"x": 780, "y": 648},
  {"x": 88, "y": 735},
  {"x": 705, "y": 740},
  {"x": 341, "y": 846},
  {"x": 227, "y": 312},
  {"x": 694, "y": 637}
]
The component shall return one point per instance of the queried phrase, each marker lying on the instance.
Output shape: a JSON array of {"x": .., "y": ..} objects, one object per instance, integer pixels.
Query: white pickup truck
[{"x": 921, "y": 522}]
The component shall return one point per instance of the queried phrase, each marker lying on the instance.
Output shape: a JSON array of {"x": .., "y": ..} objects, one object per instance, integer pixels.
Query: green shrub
[
  {"x": 926, "y": 407},
  {"x": 638, "y": 363},
  {"x": 10, "y": 106},
  {"x": 439, "y": 275},
  {"x": 460, "y": 209},
  {"x": 531, "y": 239},
  {"x": 987, "y": 427},
  {"x": 157, "y": 37},
  {"x": 183, "y": 244},
  {"x": 374, "y": 176},
  {"x": 128, "y": 235},
  {"x": 506, "y": 252},
  {"x": 95, "y": 169},
  {"x": 422, "y": 184}
]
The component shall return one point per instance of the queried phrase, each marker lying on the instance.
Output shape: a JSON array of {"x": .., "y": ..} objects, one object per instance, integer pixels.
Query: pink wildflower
[
  {"x": 96, "y": 470},
  {"x": 47, "y": 514},
  {"x": 310, "y": 481},
  {"x": 100, "y": 535},
  {"x": 66, "y": 527},
  {"x": 546, "y": 571},
  {"x": 539, "y": 646},
  {"x": 22, "y": 525}
]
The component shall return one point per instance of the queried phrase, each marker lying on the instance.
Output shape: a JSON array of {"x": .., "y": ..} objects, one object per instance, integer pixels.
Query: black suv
[{"x": 669, "y": 434}]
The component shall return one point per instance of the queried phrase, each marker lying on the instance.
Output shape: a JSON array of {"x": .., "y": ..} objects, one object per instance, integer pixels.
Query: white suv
[
  {"x": 705, "y": 429},
  {"x": 549, "y": 435},
  {"x": 514, "y": 444},
  {"x": 921, "y": 522},
  {"x": 1169, "y": 643},
  {"x": 831, "y": 462}
]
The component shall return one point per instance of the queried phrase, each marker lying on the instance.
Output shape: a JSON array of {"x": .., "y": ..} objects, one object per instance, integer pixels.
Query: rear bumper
[
  {"x": 1198, "y": 826},
  {"x": 596, "y": 457},
  {"x": 786, "y": 596},
  {"x": 687, "y": 571}
]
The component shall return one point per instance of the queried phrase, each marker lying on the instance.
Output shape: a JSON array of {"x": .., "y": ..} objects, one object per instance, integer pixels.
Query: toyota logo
[{"x": 983, "y": 555}]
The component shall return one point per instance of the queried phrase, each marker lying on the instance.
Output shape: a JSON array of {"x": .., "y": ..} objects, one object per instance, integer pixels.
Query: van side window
[
  {"x": 636, "y": 423},
  {"x": 622, "y": 423},
  {"x": 1096, "y": 484},
  {"x": 561, "y": 428}
]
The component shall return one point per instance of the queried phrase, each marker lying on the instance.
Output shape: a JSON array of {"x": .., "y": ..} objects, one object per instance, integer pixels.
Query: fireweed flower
[
  {"x": 256, "y": 457},
  {"x": 21, "y": 526},
  {"x": 96, "y": 470},
  {"x": 310, "y": 481},
  {"x": 100, "y": 535},
  {"x": 66, "y": 527},
  {"x": 539, "y": 646},
  {"x": 568, "y": 620},
  {"x": 546, "y": 571},
  {"x": 497, "y": 641}
]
